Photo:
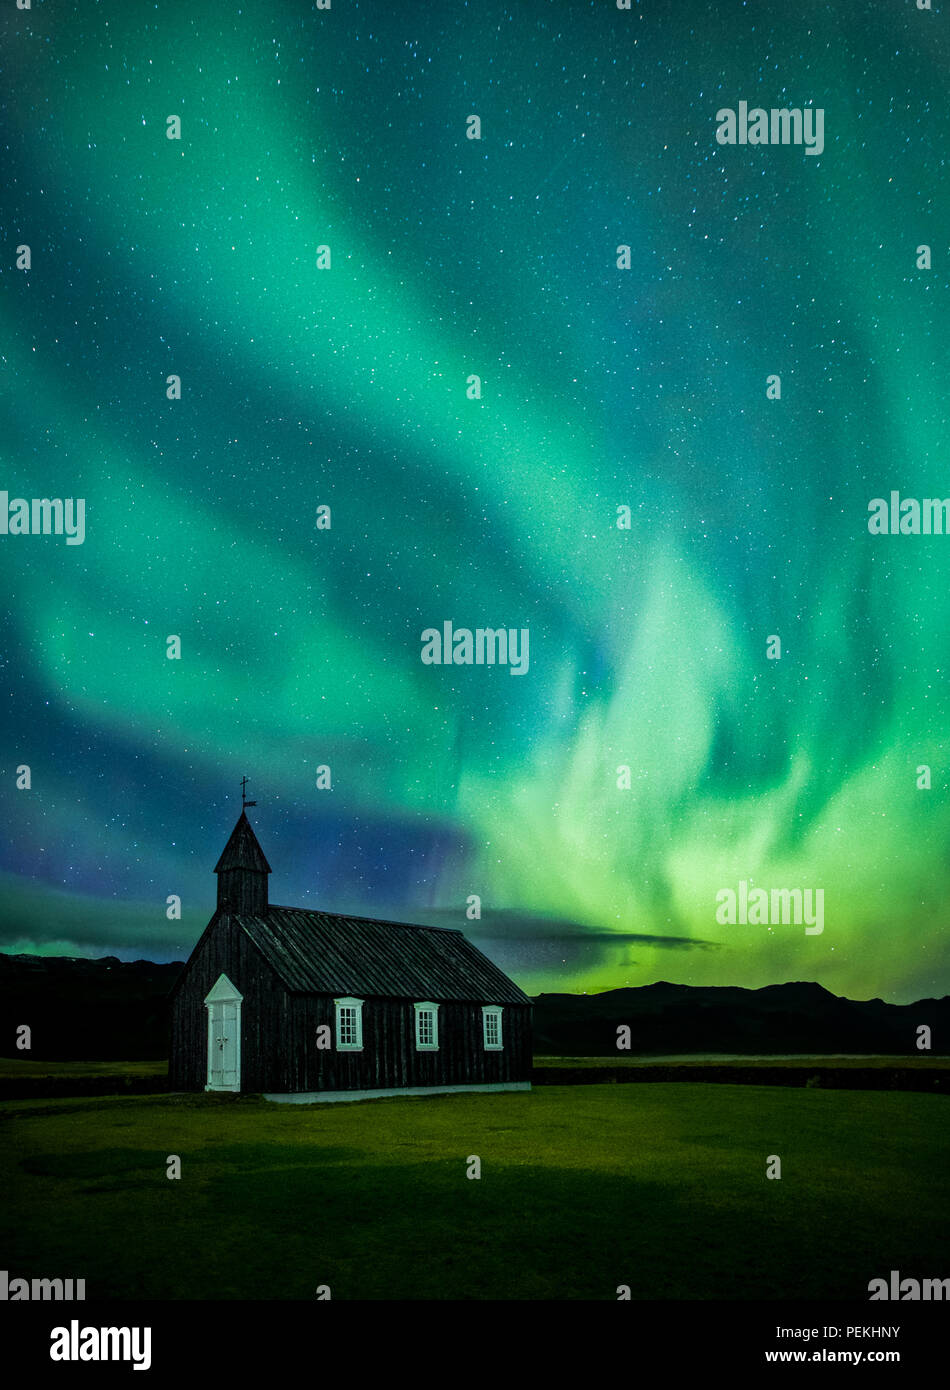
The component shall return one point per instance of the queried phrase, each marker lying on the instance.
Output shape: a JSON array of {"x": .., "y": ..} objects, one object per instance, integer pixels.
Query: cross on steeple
[{"x": 244, "y": 801}]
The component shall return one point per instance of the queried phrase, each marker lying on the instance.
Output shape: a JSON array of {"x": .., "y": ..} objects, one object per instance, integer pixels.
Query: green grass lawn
[
  {"x": 661, "y": 1187},
  {"x": 15, "y": 1066},
  {"x": 916, "y": 1060}
]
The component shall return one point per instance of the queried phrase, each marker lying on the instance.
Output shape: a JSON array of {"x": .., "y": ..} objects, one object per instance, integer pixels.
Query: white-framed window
[
  {"x": 349, "y": 1025},
  {"x": 427, "y": 1027},
  {"x": 491, "y": 1027}
]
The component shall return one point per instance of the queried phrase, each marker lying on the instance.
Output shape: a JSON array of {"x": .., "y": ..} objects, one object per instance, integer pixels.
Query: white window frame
[
  {"x": 427, "y": 1008},
  {"x": 348, "y": 1003},
  {"x": 492, "y": 1011}
]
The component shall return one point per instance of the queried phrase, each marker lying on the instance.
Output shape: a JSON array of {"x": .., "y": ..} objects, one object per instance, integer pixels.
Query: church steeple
[{"x": 242, "y": 872}]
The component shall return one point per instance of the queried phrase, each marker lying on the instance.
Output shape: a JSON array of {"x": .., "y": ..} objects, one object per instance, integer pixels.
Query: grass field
[
  {"x": 20, "y": 1067},
  {"x": 13, "y": 1066},
  {"x": 661, "y": 1187},
  {"x": 915, "y": 1060}
]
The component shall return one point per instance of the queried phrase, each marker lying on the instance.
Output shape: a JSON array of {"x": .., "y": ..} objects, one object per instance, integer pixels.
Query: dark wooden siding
[
  {"x": 242, "y": 890},
  {"x": 266, "y": 1013},
  {"x": 389, "y": 1056},
  {"x": 279, "y": 1050}
]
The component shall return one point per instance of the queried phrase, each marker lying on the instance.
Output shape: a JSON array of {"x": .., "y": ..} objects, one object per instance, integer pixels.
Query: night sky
[{"x": 347, "y": 387}]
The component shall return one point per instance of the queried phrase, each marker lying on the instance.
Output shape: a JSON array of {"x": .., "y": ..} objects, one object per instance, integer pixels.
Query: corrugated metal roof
[
  {"x": 242, "y": 850},
  {"x": 325, "y": 953}
]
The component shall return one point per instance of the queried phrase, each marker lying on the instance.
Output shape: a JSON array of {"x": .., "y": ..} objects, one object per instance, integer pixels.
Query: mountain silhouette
[
  {"x": 778, "y": 1020},
  {"x": 112, "y": 1010}
]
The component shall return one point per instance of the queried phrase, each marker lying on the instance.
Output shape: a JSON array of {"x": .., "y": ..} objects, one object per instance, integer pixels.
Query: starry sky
[{"x": 347, "y": 387}]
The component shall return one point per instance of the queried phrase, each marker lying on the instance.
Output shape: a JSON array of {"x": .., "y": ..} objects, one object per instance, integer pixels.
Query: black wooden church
[{"x": 302, "y": 1005}]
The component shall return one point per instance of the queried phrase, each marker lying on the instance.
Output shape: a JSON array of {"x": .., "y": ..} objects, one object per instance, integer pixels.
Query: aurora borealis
[{"x": 601, "y": 388}]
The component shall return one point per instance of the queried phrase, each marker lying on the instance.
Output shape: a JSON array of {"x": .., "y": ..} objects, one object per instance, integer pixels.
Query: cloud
[
  {"x": 510, "y": 925},
  {"x": 38, "y": 920}
]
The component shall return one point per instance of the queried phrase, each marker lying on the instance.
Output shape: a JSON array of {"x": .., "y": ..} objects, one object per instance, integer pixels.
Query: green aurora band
[{"x": 600, "y": 388}]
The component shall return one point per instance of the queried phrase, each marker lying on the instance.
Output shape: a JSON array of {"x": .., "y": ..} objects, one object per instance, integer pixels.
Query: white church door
[{"x": 223, "y": 1003}]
